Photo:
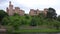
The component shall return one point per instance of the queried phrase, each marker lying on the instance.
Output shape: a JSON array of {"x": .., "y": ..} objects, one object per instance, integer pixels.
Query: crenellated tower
[{"x": 11, "y": 12}]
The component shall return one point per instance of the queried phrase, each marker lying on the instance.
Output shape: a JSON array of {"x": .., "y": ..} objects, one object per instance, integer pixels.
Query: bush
[{"x": 33, "y": 22}]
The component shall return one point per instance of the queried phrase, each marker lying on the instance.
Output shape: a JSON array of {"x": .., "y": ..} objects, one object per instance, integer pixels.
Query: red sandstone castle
[
  {"x": 11, "y": 11},
  {"x": 17, "y": 10},
  {"x": 36, "y": 12}
]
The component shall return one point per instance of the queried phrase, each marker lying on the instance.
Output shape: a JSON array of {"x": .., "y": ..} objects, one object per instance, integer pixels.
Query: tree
[
  {"x": 5, "y": 21},
  {"x": 13, "y": 21},
  {"x": 2, "y": 15},
  {"x": 15, "y": 14},
  {"x": 51, "y": 13},
  {"x": 58, "y": 18},
  {"x": 41, "y": 15},
  {"x": 26, "y": 16},
  {"x": 33, "y": 22},
  {"x": 56, "y": 24}
]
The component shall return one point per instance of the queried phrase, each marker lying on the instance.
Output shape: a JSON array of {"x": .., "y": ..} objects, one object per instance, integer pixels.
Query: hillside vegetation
[{"x": 50, "y": 21}]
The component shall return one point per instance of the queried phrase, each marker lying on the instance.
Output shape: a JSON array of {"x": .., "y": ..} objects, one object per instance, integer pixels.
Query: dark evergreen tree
[{"x": 51, "y": 13}]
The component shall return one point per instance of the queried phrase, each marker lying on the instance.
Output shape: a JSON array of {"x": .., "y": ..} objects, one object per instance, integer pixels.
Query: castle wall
[
  {"x": 37, "y": 12},
  {"x": 32, "y": 12},
  {"x": 17, "y": 10},
  {"x": 11, "y": 11},
  {"x": 22, "y": 12},
  {"x": 45, "y": 11}
]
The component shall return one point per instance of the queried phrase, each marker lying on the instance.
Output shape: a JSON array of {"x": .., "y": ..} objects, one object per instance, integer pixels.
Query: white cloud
[{"x": 40, "y": 4}]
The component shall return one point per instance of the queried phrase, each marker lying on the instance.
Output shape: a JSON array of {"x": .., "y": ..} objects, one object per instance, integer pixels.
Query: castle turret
[
  {"x": 10, "y": 3},
  {"x": 7, "y": 10},
  {"x": 31, "y": 12},
  {"x": 45, "y": 11},
  {"x": 17, "y": 9},
  {"x": 10, "y": 9}
]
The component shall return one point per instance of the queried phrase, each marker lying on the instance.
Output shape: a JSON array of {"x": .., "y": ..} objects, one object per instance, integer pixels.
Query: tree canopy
[
  {"x": 2, "y": 15},
  {"x": 51, "y": 13},
  {"x": 17, "y": 20}
]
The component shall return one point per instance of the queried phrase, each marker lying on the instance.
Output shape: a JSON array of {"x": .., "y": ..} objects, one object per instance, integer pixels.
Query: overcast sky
[{"x": 32, "y": 4}]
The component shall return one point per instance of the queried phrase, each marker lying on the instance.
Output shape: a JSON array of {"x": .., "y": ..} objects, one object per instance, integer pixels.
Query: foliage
[
  {"x": 12, "y": 21},
  {"x": 58, "y": 18},
  {"x": 2, "y": 14},
  {"x": 15, "y": 14},
  {"x": 39, "y": 30},
  {"x": 51, "y": 13},
  {"x": 33, "y": 22},
  {"x": 26, "y": 16},
  {"x": 16, "y": 21}
]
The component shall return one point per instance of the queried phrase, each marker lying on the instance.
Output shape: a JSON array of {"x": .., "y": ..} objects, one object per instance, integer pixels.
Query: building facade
[
  {"x": 37, "y": 12},
  {"x": 11, "y": 11},
  {"x": 17, "y": 10}
]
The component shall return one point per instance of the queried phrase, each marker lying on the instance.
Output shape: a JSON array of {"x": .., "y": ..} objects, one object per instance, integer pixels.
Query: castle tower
[
  {"x": 9, "y": 2},
  {"x": 17, "y": 9},
  {"x": 38, "y": 11},
  {"x": 21, "y": 12},
  {"x": 11, "y": 12},
  {"x": 31, "y": 12},
  {"x": 7, "y": 10},
  {"x": 45, "y": 11}
]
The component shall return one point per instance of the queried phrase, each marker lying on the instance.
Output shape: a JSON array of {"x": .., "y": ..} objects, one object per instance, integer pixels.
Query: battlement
[{"x": 11, "y": 11}]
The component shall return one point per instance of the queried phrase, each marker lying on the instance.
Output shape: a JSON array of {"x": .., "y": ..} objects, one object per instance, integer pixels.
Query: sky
[{"x": 32, "y": 4}]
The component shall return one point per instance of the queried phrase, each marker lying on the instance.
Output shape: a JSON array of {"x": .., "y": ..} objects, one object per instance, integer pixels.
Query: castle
[
  {"x": 17, "y": 10},
  {"x": 37, "y": 12},
  {"x": 11, "y": 11}
]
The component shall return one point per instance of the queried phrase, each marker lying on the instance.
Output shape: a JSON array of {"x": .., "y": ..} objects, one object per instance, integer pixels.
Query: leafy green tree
[
  {"x": 56, "y": 24},
  {"x": 41, "y": 19},
  {"x": 15, "y": 14},
  {"x": 33, "y": 22},
  {"x": 13, "y": 21},
  {"x": 5, "y": 21},
  {"x": 27, "y": 16},
  {"x": 41, "y": 15},
  {"x": 23, "y": 22},
  {"x": 2, "y": 15},
  {"x": 58, "y": 18}
]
